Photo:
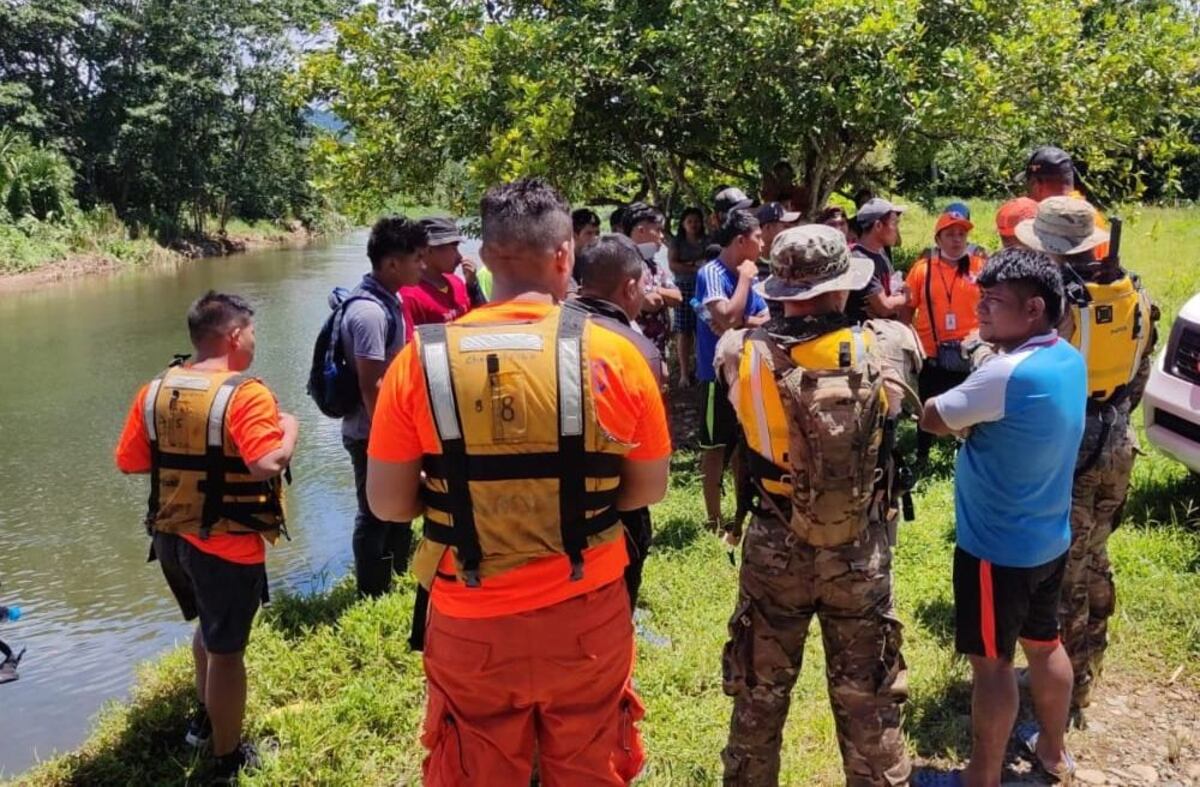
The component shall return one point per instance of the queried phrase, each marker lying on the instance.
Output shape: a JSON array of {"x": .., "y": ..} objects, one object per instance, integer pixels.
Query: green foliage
[
  {"x": 615, "y": 99},
  {"x": 35, "y": 181},
  {"x": 170, "y": 111}
]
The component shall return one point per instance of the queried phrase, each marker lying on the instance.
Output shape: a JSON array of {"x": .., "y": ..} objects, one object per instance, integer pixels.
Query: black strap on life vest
[
  {"x": 572, "y": 454},
  {"x": 214, "y": 454},
  {"x": 456, "y": 467},
  {"x": 515, "y": 467},
  {"x": 156, "y": 457}
]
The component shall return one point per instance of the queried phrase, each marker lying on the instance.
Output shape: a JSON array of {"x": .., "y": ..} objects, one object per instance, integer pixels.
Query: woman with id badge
[{"x": 943, "y": 293}]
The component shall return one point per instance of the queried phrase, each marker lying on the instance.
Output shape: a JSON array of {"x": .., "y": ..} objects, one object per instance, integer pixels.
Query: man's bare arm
[{"x": 394, "y": 489}]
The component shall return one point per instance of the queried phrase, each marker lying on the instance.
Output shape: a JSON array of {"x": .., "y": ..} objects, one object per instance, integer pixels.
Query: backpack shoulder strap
[{"x": 778, "y": 359}]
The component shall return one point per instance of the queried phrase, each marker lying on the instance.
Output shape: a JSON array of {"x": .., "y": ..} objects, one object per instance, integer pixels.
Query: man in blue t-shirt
[
  {"x": 725, "y": 299},
  {"x": 1022, "y": 415}
]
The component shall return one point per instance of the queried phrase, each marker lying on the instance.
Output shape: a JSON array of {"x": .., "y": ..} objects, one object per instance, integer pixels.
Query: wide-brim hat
[
  {"x": 1063, "y": 225},
  {"x": 810, "y": 260}
]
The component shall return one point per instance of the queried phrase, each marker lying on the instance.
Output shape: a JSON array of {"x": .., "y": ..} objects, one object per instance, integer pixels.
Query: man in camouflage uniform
[
  {"x": 1067, "y": 229},
  {"x": 785, "y": 580}
]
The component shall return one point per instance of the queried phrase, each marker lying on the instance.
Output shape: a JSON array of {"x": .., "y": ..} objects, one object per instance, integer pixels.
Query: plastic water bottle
[{"x": 10, "y": 614}]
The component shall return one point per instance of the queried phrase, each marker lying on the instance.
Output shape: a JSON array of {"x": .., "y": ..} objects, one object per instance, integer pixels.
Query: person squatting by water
[{"x": 215, "y": 446}]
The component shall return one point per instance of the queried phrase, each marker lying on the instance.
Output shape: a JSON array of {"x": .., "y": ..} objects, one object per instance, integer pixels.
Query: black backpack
[{"x": 332, "y": 378}]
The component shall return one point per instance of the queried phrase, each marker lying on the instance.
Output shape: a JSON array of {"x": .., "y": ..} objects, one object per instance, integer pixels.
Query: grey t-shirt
[{"x": 364, "y": 334}]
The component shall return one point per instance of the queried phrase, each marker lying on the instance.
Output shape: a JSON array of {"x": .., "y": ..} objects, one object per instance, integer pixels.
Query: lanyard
[{"x": 949, "y": 288}]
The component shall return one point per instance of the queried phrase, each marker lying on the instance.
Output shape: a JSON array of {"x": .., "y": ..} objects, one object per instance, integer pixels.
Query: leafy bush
[{"x": 35, "y": 181}]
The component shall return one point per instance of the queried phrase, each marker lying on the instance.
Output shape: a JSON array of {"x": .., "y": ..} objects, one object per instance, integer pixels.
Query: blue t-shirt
[
  {"x": 715, "y": 282},
  {"x": 1012, "y": 491}
]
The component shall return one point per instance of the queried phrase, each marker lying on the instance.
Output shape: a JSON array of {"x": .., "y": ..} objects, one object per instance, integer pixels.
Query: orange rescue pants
[{"x": 554, "y": 681}]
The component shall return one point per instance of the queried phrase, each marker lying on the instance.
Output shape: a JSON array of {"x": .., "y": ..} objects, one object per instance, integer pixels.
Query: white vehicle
[{"x": 1172, "y": 400}]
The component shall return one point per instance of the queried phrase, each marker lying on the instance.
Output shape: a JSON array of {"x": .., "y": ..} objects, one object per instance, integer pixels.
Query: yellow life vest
[
  {"x": 198, "y": 482},
  {"x": 771, "y": 426},
  {"x": 525, "y": 470},
  {"x": 1112, "y": 330}
]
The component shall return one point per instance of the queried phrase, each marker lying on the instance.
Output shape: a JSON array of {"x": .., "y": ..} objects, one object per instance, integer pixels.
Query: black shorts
[
  {"x": 224, "y": 595},
  {"x": 994, "y": 606},
  {"x": 718, "y": 422}
]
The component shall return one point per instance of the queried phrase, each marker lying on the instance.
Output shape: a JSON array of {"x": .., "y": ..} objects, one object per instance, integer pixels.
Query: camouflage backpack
[{"x": 835, "y": 429}]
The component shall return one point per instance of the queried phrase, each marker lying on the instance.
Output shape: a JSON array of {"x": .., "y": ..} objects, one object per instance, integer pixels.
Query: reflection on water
[{"x": 72, "y": 547}]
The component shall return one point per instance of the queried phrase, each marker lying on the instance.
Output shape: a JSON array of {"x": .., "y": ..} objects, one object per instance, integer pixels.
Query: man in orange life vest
[
  {"x": 521, "y": 432},
  {"x": 214, "y": 443}
]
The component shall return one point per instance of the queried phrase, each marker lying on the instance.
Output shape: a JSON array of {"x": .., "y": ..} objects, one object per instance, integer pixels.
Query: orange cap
[
  {"x": 952, "y": 219},
  {"x": 1013, "y": 213}
]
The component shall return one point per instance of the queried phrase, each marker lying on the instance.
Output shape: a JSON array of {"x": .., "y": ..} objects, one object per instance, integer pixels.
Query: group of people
[{"x": 519, "y": 411}]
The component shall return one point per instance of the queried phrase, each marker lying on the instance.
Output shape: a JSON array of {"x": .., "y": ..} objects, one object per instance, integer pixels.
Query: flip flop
[
  {"x": 927, "y": 778},
  {"x": 1028, "y": 733}
]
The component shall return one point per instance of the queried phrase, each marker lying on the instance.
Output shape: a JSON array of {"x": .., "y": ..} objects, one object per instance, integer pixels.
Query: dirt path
[{"x": 1136, "y": 734}]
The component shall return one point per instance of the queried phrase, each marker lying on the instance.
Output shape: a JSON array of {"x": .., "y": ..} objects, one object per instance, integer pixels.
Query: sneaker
[
  {"x": 229, "y": 766},
  {"x": 199, "y": 729}
]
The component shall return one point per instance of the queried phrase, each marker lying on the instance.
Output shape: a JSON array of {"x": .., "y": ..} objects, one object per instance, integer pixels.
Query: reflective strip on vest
[
  {"x": 501, "y": 341},
  {"x": 570, "y": 387},
  {"x": 762, "y": 426},
  {"x": 437, "y": 372},
  {"x": 860, "y": 348},
  {"x": 1085, "y": 331},
  {"x": 148, "y": 408},
  {"x": 216, "y": 415}
]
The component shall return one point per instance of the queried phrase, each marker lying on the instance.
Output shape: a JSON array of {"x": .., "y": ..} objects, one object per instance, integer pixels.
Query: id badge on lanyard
[{"x": 951, "y": 321}]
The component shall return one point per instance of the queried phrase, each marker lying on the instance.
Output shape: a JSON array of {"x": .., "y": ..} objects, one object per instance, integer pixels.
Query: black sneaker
[
  {"x": 243, "y": 758},
  {"x": 199, "y": 729}
]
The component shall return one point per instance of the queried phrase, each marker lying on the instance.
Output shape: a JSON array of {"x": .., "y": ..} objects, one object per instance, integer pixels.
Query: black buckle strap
[
  {"x": 518, "y": 467},
  {"x": 592, "y": 501},
  {"x": 456, "y": 466},
  {"x": 214, "y": 455}
]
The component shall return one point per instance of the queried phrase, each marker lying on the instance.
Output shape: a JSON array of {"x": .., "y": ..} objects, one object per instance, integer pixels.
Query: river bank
[{"x": 106, "y": 258}]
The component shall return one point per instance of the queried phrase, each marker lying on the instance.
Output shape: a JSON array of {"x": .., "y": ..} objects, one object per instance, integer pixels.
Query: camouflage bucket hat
[
  {"x": 1063, "y": 225},
  {"x": 810, "y": 260}
]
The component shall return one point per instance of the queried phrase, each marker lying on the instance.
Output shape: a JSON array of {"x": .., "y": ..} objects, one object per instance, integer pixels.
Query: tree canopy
[
  {"x": 665, "y": 99},
  {"x": 170, "y": 110}
]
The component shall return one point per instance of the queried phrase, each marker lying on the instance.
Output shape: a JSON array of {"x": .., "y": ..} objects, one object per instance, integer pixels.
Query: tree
[
  {"x": 616, "y": 99},
  {"x": 171, "y": 110}
]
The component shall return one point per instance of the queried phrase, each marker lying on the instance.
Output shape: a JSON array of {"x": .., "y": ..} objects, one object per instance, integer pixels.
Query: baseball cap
[
  {"x": 960, "y": 208},
  {"x": 1049, "y": 161},
  {"x": 810, "y": 260},
  {"x": 875, "y": 209},
  {"x": 774, "y": 211},
  {"x": 1063, "y": 225},
  {"x": 731, "y": 199},
  {"x": 952, "y": 218},
  {"x": 1013, "y": 213},
  {"x": 441, "y": 230}
]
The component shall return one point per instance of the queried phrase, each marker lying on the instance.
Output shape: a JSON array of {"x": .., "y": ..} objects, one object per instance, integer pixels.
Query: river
[{"x": 72, "y": 547}]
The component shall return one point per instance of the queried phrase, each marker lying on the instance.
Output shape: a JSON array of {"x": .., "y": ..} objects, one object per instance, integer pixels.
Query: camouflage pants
[
  {"x": 1088, "y": 593},
  {"x": 782, "y": 585}
]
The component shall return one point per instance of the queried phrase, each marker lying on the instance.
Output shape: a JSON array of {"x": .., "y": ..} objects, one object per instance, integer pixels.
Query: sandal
[{"x": 1028, "y": 733}]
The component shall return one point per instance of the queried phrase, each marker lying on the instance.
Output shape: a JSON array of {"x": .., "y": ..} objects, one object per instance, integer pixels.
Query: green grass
[{"x": 333, "y": 683}]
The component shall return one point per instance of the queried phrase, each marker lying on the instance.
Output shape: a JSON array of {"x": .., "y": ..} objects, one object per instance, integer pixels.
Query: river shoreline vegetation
[
  {"x": 335, "y": 686},
  {"x": 138, "y": 131}
]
